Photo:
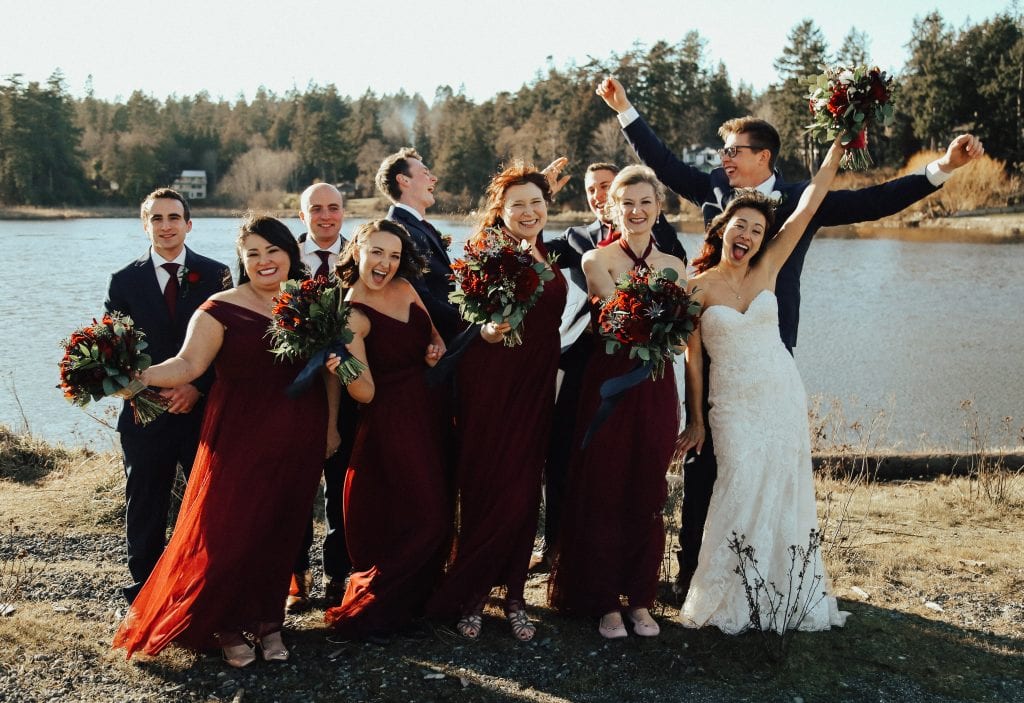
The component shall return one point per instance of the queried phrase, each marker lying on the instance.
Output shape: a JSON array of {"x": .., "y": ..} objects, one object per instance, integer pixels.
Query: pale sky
[{"x": 228, "y": 48}]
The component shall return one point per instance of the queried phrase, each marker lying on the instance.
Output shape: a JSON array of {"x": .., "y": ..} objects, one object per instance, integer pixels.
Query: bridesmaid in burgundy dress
[
  {"x": 227, "y": 567},
  {"x": 397, "y": 515},
  {"x": 612, "y": 536},
  {"x": 505, "y": 401}
]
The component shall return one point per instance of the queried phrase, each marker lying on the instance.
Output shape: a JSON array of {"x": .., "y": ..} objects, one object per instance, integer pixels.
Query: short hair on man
[
  {"x": 760, "y": 132},
  {"x": 164, "y": 193},
  {"x": 602, "y": 166},
  {"x": 308, "y": 193},
  {"x": 391, "y": 168}
]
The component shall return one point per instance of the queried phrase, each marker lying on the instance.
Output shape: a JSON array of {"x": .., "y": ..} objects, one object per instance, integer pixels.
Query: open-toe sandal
[
  {"x": 522, "y": 629},
  {"x": 469, "y": 626}
]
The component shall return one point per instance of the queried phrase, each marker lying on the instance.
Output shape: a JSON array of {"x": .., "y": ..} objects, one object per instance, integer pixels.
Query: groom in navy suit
[
  {"x": 160, "y": 291},
  {"x": 409, "y": 185},
  {"x": 748, "y": 161}
]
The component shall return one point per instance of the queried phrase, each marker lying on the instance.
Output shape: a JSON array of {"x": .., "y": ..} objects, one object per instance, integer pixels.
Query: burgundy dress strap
[{"x": 639, "y": 262}]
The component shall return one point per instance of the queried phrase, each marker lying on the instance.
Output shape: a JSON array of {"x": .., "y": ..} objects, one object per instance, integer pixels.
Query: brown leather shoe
[{"x": 298, "y": 593}]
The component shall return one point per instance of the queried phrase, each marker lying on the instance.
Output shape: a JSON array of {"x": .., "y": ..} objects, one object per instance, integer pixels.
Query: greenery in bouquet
[
  {"x": 310, "y": 321},
  {"x": 101, "y": 360},
  {"x": 650, "y": 315},
  {"x": 499, "y": 281},
  {"x": 844, "y": 102}
]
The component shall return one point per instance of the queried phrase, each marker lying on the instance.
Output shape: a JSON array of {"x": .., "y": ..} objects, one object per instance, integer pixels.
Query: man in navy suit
[
  {"x": 578, "y": 343},
  {"x": 160, "y": 291},
  {"x": 409, "y": 185},
  {"x": 322, "y": 210},
  {"x": 748, "y": 161}
]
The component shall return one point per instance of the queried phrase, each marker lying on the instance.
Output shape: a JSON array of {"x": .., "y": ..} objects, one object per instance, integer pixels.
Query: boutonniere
[
  {"x": 776, "y": 197},
  {"x": 446, "y": 240},
  {"x": 188, "y": 278}
]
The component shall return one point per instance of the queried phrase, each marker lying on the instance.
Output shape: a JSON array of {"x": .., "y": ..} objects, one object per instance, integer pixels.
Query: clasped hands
[{"x": 181, "y": 399}]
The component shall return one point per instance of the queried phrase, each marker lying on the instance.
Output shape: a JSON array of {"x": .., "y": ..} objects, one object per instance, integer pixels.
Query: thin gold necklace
[{"x": 725, "y": 279}]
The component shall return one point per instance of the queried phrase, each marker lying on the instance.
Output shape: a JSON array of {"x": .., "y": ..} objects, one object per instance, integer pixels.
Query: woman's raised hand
[{"x": 552, "y": 172}]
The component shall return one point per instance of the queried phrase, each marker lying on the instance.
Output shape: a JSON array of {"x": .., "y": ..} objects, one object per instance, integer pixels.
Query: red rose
[
  {"x": 839, "y": 101},
  {"x": 878, "y": 91},
  {"x": 193, "y": 277},
  {"x": 526, "y": 284}
]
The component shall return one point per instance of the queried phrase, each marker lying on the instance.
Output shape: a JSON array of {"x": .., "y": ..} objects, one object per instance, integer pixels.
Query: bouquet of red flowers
[
  {"x": 846, "y": 101},
  {"x": 499, "y": 281},
  {"x": 650, "y": 315},
  {"x": 310, "y": 321},
  {"x": 102, "y": 359}
]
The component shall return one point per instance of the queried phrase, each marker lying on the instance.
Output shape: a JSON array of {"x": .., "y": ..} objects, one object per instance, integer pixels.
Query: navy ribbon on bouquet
[
  {"x": 611, "y": 394},
  {"x": 314, "y": 364},
  {"x": 444, "y": 369}
]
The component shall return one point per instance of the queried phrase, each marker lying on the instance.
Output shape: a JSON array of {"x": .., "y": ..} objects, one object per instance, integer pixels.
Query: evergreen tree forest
[{"x": 59, "y": 149}]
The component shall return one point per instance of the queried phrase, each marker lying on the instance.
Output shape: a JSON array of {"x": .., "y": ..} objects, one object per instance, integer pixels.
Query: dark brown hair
[
  {"x": 276, "y": 233},
  {"x": 391, "y": 168},
  {"x": 167, "y": 193},
  {"x": 411, "y": 266},
  {"x": 760, "y": 133},
  {"x": 711, "y": 252}
]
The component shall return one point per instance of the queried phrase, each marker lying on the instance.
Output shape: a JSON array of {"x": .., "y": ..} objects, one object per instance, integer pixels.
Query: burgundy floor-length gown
[
  {"x": 229, "y": 561},
  {"x": 613, "y": 535},
  {"x": 506, "y": 397},
  {"x": 397, "y": 514}
]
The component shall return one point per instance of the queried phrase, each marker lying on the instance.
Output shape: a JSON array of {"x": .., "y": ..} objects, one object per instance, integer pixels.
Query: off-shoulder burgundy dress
[{"x": 228, "y": 564}]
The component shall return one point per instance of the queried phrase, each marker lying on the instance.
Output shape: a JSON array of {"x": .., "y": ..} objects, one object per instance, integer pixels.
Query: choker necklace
[{"x": 725, "y": 279}]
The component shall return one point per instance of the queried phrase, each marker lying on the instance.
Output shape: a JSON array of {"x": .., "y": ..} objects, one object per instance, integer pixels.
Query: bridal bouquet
[
  {"x": 650, "y": 315},
  {"x": 846, "y": 101},
  {"x": 310, "y": 321},
  {"x": 499, "y": 281},
  {"x": 102, "y": 359}
]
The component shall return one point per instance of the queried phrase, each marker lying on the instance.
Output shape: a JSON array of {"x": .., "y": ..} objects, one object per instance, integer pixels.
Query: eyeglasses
[{"x": 731, "y": 151}]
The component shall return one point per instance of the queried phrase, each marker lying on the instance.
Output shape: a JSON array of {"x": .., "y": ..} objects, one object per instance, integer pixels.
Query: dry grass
[{"x": 891, "y": 548}]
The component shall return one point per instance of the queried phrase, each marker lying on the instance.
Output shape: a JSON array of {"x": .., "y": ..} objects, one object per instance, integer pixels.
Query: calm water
[{"x": 910, "y": 328}]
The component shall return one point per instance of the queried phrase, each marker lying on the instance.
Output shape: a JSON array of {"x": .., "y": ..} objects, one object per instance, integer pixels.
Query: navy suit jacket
[
  {"x": 134, "y": 291},
  {"x": 577, "y": 241},
  {"x": 711, "y": 192},
  {"x": 436, "y": 282}
]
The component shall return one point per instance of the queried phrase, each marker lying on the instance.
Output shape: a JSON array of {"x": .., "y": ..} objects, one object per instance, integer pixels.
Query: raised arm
[{"x": 782, "y": 244}]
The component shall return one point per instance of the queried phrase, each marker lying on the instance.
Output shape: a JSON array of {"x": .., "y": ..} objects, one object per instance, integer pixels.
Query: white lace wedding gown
[{"x": 764, "y": 492}]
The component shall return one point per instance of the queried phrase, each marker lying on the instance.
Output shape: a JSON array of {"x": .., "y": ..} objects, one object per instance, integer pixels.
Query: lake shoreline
[{"x": 984, "y": 227}]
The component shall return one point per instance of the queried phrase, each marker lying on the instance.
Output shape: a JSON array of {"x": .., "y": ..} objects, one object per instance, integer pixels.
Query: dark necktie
[
  {"x": 323, "y": 270},
  {"x": 171, "y": 289}
]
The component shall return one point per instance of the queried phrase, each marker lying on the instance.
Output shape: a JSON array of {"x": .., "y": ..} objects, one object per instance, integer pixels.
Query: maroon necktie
[
  {"x": 323, "y": 270},
  {"x": 171, "y": 289}
]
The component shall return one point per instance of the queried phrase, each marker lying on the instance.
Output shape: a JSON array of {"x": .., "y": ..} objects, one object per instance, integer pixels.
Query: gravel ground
[{"x": 59, "y": 651}]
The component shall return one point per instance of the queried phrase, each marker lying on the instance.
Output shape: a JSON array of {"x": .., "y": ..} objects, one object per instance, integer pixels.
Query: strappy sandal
[
  {"x": 469, "y": 626},
  {"x": 522, "y": 629}
]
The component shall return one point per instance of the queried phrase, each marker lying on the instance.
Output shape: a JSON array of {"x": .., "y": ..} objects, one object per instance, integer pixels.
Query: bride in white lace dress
[{"x": 763, "y": 502}]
